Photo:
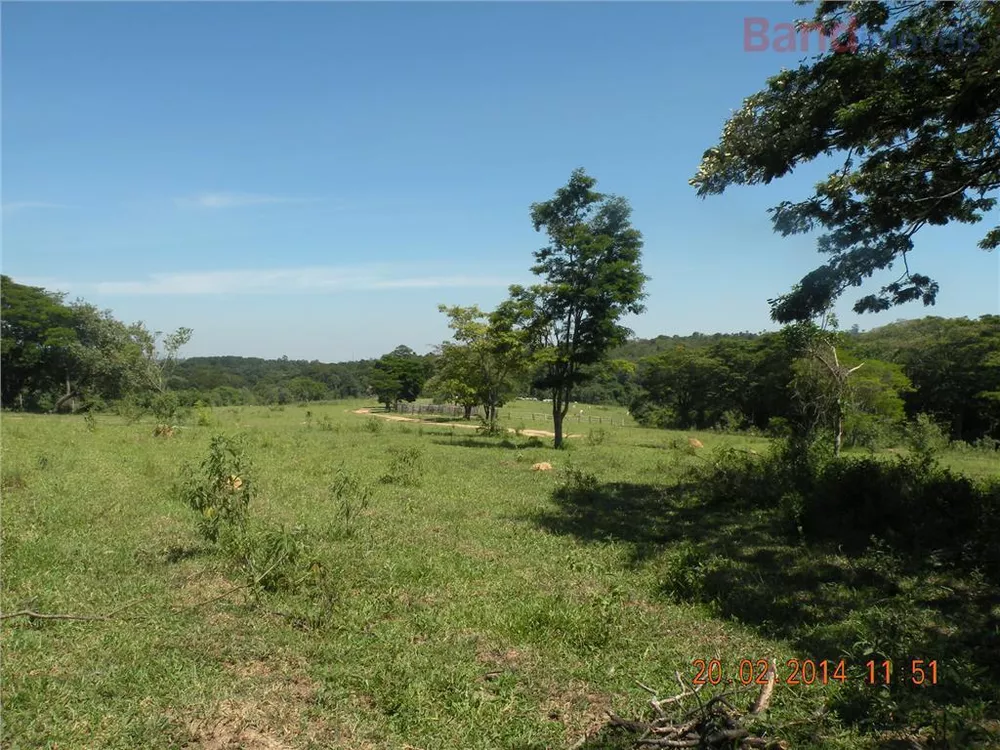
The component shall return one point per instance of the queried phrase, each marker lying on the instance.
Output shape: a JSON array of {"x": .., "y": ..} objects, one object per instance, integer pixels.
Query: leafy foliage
[
  {"x": 398, "y": 376},
  {"x": 591, "y": 278},
  {"x": 485, "y": 363},
  {"x": 221, "y": 490},
  {"x": 352, "y": 497},
  {"x": 406, "y": 467},
  {"x": 916, "y": 125}
]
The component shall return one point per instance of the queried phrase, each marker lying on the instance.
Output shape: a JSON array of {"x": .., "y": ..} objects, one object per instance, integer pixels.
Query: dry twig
[{"x": 715, "y": 723}]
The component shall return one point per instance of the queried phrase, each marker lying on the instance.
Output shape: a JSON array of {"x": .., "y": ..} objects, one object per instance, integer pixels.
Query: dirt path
[{"x": 397, "y": 418}]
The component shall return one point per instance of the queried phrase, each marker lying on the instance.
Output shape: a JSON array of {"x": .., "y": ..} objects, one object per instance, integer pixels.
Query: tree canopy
[
  {"x": 398, "y": 376},
  {"x": 483, "y": 364},
  {"x": 910, "y": 107},
  {"x": 592, "y": 277},
  {"x": 53, "y": 352}
]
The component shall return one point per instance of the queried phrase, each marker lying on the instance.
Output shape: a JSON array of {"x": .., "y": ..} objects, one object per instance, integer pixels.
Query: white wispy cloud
[
  {"x": 237, "y": 200},
  {"x": 316, "y": 279},
  {"x": 17, "y": 206}
]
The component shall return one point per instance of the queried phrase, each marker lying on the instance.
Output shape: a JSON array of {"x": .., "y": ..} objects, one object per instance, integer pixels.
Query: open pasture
[{"x": 467, "y": 602}]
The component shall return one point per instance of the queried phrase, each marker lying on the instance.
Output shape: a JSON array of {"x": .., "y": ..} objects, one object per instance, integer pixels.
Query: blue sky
[{"x": 313, "y": 179}]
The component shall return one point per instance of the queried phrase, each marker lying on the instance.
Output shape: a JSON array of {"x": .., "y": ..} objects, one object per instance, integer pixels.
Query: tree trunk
[
  {"x": 468, "y": 411},
  {"x": 62, "y": 401},
  {"x": 557, "y": 419},
  {"x": 838, "y": 437}
]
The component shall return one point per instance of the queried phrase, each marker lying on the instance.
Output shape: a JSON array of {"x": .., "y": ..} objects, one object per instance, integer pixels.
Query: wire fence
[{"x": 450, "y": 410}]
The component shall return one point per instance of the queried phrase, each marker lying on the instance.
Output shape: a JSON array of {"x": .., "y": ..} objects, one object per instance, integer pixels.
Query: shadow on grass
[
  {"x": 508, "y": 443},
  {"x": 752, "y": 564},
  {"x": 177, "y": 552}
]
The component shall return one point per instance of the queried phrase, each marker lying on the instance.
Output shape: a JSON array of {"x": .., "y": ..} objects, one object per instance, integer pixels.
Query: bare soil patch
[{"x": 398, "y": 418}]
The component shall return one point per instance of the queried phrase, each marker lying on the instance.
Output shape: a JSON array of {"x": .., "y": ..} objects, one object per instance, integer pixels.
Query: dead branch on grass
[
  {"x": 113, "y": 614},
  {"x": 715, "y": 723}
]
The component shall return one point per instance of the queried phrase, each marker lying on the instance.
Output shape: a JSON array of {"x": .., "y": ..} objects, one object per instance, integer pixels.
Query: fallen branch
[
  {"x": 764, "y": 697},
  {"x": 234, "y": 589},
  {"x": 32, "y": 615},
  {"x": 713, "y": 724},
  {"x": 112, "y": 615}
]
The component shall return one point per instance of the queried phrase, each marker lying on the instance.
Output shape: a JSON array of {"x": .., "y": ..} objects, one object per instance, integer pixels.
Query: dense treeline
[
  {"x": 75, "y": 356},
  {"x": 948, "y": 369},
  {"x": 229, "y": 381}
]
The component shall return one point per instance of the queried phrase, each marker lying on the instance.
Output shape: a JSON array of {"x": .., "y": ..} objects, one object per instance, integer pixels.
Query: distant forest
[
  {"x": 948, "y": 368},
  {"x": 58, "y": 356}
]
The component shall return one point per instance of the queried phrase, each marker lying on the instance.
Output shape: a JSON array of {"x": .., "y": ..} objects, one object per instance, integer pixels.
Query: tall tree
[
  {"x": 831, "y": 385},
  {"x": 955, "y": 368},
  {"x": 53, "y": 353},
  {"x": 162, "y": 360},
  {"x": 35, "y": 326},
  {"x": 592, "y": 277},
  {"x": 398, "y": 376},
  {"x": 911, "y": 102},
  {"x": 488, "y": 355}
]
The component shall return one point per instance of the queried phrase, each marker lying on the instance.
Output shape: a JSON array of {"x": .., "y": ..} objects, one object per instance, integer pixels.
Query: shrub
[
  {"x": 732, "y": 420},
  {"x": 129, "y": 409},
  {"x": 914, "y": 505},
  {"x": 779, "y": 427},
  {"x": 684, "y": 572},
  {"x": 926, "y": 437},
  {"x": 986, "y": 444},
  {"x": 352, "y": 498},
  {"x": 406, "y": 467},
  {"x": 90, "y": 421},
  {"x": 164, "y": 405},
  {"x": 222, "y": 488},
  {"x": 203, "y": 414},
  {"x": 271, "y": 558},
  {"x": 579, "y": 482},
  {"x": 490, "y": 428},
  {"x": 373, "y": 425},
  {"x": 868, "y": 431},
  {"x": 597, "y": 437}
]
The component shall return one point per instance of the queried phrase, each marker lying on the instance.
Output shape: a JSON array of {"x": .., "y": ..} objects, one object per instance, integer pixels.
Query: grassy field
[{"x": 469, "y": 603}]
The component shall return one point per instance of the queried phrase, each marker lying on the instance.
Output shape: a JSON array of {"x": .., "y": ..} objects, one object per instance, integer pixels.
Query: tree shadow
[
  {"x": 486, "y": 442},
  {"x": 752, "y": 564}
]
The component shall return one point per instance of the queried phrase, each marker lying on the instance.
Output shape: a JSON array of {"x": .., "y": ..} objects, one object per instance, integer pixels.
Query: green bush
[
  {"x": 352, "y": 498},
  {"x": 271, "y": 558},
  {"x": 129, "y": 409},
  {"x": 731, "y": 420},
  {"x": 986, "y": 444},
  {"x": 221, "y": 489},
  {"x": 579, "y": 482},
  {"x": 916, "y": 506},
  {"x": 203, "y": 414},
  {"x": 489, "y": 428},
  {"x": 164, "y": 405},
  {"x": 406, "y": 467},
  {"x": 597, "y": 436},
  {"x": 925, "y": 437}
]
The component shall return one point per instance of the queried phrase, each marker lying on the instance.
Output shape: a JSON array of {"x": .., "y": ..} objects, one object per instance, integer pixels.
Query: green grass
[{"x": 472, "y": 603}]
